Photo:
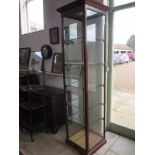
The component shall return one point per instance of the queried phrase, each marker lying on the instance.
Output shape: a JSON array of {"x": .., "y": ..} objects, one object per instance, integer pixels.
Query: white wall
[{"x": 35, "y": 40}]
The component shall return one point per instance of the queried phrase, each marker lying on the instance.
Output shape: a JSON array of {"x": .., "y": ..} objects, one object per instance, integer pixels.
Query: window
[
  {"x": 31, "y": 14},
  {"x": 73, "y": 31},
  {"x": 91, "y": 32}
]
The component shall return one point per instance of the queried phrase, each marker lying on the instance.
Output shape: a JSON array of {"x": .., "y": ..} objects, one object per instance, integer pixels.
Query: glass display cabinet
[{"x": 84, "y": 24}]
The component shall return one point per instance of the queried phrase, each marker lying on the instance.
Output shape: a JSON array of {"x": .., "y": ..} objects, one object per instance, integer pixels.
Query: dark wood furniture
[
  {"x": 84, "y": 44},
  {"x": 28, "y": 78},
  {"x": 55, "y": 101},
  {"x": 33, "y": 109}
]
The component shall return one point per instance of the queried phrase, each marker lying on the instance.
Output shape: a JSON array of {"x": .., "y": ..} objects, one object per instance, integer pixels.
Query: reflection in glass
[
  {"x": 57, "y": 63},
  {"x": 35, "y": 63}
]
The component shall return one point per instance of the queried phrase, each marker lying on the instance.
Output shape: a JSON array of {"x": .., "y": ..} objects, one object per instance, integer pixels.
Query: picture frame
[
  {"x": 54, "y": 35},
  {"x": 24, "y": 56},
  {"x": 57, "y": 65},
  {"x": 35, "y": 62}
]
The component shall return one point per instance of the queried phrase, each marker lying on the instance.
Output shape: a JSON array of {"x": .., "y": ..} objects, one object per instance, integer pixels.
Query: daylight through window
[{"x": 31, "y": 14}]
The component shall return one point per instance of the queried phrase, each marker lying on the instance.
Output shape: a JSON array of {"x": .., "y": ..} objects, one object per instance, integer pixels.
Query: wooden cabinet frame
[{"x": 67, "y": 11}]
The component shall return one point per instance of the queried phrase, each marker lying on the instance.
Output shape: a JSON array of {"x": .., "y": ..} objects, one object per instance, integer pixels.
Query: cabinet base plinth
[{"x": 81, "y": 148}]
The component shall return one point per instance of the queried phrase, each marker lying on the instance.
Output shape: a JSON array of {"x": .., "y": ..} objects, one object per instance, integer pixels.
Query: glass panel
[
  {"x": 121, "y": 2},
  {"x": 95, "y": 51},
  {"x": 95, "y": 113},
  {"x": 123, "y": 97},
  {"x": 73, "y": 41},
  {"x": 73, "y": 50}
]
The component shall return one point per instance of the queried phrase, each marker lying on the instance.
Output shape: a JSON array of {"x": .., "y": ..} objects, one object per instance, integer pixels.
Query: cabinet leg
[
  {"x": 32, "y": 140},
  {"x": 54, "y": 130}
]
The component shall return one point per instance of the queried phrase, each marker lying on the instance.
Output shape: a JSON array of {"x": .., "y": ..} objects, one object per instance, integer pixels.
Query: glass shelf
[
  {"x": 96, "y": 64},
  {"x": 74, "y": 70},
  {"x": 91, "y": 106},
  {"x": 95, "y": 121},
  {"x": 72, "y": 110},
  {"x": 99, "y": 40},
  {"x": 79, "y": 63},
  {"x": 73, "y": 77},
  {"x": 73, "y": 86},
  {"x": 95, "y": 85},
  {"x": 74, "y": 93},
  {"x": 78, "y": 118},
  {"x": 73, "y": 97},
  {"x": 73, "y": 63},
  {"x": 76, "y": 83},
  {"x": 72, "y": 41},
  {"x": 76, "y": 103},
  {"x": 96, "y": 113}
]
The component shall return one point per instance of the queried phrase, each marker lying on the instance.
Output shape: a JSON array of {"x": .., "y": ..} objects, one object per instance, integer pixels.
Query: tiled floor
[
  {"x": 48, "y": 144},
  {"x": 123, "y": 109}
]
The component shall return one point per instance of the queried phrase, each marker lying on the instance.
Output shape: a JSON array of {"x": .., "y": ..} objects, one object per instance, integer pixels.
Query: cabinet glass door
[
  {"x": 73, "y": 53},
  {"x": 95, "y": 54}
]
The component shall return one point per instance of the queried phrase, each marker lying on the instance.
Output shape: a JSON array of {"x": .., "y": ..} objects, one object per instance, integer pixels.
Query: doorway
[{"x": 121, "y": 100}]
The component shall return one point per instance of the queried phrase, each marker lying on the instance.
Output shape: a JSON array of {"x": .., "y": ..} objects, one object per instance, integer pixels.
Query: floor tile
[
  {"x": 68, "y": 151},
  {"x": 123, "y": 109},
  {"x": 48, "y": 144},
  {"x": 111, "y": 139},
  {"x": 118, "y": 99},
  {"x": 25, "y": 151},
  {"x": 126, "y": 109},
  {"x": 130, "y": 101},
  {"x": 110, "y": 153},
  {"x": 96, "y": 153},
  {"x": 61, "y": 134},
  {"x": 124, "y": 94},
  {"x": 45, "y": 146},
  {"x": 123, "y": 146},
  {"x": 123, "y": 119},
  {"x": 116, "y": 105},
  {"x": 25, "y": 139}
]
